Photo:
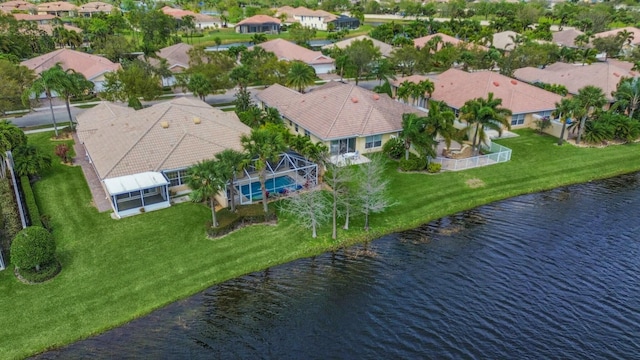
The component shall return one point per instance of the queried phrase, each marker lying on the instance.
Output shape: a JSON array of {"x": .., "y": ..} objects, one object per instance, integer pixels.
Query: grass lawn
[{"x": 116, "y": 270}]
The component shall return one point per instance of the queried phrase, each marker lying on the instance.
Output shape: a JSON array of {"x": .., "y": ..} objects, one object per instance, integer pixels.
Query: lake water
[{"x": 548, "y": 275}]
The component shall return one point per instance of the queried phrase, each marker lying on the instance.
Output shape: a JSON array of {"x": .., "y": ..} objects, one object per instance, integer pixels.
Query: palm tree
[
  {"x": 404, "y": 91},
  {"x": 590, "y": 98},
  {"x": 206, "y": 180},
  {"x": 627, "y": 95},
  {"x": 425, "y": 86},
  {"x": 258, "y": 38},
  {"x": 439, "y": 121},
  {"x": 74, "y": 84},
  {"x": 483, "y": 113},
  {"x": 383, "y": 70},
  {"x": 413, "y": 127},
  {"x": 588, "y": 55},
  {"x": 30, "y": 160},
  {"x": 50, "y": 81},
  {"x": 565, "y": 110},
  {"x": 300, "y": 76},
  {"x": 230, "y": 161},
  {"x": 263, "y": 145}
]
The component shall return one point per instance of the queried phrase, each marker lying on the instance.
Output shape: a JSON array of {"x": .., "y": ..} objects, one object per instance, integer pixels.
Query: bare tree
[
  {"x": 309, "y": 208},
  {"x": 338, "y": 179},
  {"x": 372, "y": 189}
]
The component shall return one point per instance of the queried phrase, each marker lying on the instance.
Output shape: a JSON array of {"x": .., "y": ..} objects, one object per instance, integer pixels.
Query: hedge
[{"x": 30, "y": 200}]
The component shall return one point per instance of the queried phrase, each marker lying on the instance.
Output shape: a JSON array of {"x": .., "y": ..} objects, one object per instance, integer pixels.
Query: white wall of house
[
  {"x": 208, "y": 24},
  {"x": 324, "y": 68},
  {"x": 314, "y": 22}
]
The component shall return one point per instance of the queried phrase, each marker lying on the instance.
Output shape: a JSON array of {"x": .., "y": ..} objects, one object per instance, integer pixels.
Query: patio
[{"x": 352, "y": 158}]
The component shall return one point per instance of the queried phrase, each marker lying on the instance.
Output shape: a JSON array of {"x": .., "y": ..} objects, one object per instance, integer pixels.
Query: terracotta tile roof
[
  {"x": 48, "y": 28},
  {"x": 411, "y": 78},
  {"x": 286, "y": 50},
  {"x": 503, "y": 40},
  {"x": 179, "y": 14},
  {"x": 605, "y": 75},
  {"x": 95, "y": 6},
  {"x": 635, "y": 31},
  {"x": 566, "y": 37},
  {"x": 422, "y": 41},
  {"x": 455, "y": 87},
  {"x": 122, "y": 141},
  {"x": 15, "y": 5},
  {"x": 259, "y": 19},
  {"x": 88, "y": 65},
  {"x": 385, "y": 49},
  {"x": 31, "y": 17},
  {"x": 176, "y": 55},
  {"x": 56, "y": 6},
  {"x": 337, "y": 110}
]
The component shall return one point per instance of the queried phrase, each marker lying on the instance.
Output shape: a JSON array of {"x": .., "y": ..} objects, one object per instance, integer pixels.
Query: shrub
[
  {"x": 47, "y": 271},
  {"x": 394, "y": 148},
  {"x": 597, "y": 132},
  {"x": 414, "y": 163},
  {"x": 62, "y": 151},
  {"x": 30, "y": 200},
  {"x": 434, "y": 167},
  {"x": 10, "y": 218},
  {"x": 32, "y": 247},
  {"x": 542, "y": 124}
]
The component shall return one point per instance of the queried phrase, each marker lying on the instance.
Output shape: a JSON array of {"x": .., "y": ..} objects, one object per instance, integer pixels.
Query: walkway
[{"x": 100, "y": 200}]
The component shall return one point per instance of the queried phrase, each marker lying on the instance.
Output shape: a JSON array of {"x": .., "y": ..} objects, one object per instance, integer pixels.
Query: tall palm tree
[
  {"x": 50, "y": 81},
  {"x": 590, "y": 98},
  {"x": 425, "y": 86},
  {"x": 263, "y": 145},
  {"x": 230, "y": 161},
  {"x": 439, "y": 121},
  {"x": 565, "y": 110},
  {"x": 483, "y": 113},
  {"x": 206, "y": 180},
  {"x": 383, "y": 70},
  {"x": 627, "y": 95},
  {"x": 74, "y": 84},
  {"x": 413, "y": 127},
  {"x": 300, "y": 76},
  {"x": 404, "y": 91}
]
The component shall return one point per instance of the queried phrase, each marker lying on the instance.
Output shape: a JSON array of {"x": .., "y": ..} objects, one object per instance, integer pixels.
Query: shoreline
[{"x": 450, "y": 198}]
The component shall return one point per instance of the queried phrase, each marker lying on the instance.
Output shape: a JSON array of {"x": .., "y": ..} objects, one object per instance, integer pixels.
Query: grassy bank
[{"x": 115, "y": 271}]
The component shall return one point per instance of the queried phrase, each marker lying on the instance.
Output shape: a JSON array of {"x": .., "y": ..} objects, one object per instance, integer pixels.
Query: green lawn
[{"x": 117, "y": 270}]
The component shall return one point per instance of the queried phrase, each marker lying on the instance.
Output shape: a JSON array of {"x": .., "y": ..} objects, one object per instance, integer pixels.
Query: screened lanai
[
  {"x": 290, "y": 172},
  {"x": 132, "y": 194}
]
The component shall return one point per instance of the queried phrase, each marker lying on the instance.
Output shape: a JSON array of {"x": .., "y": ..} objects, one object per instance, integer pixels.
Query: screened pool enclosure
[{"x": 290, "y": 172}]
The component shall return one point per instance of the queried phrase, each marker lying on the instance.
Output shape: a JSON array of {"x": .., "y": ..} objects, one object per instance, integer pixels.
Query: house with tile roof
[
  {"x": 505, "y": 40},
  {"x": 139, "y": 156},
  {"x": 16, "y": 6},
  {"x": 526, "y": 102},
  {"x": 566, "y": 37},
  {"x": 201, "y": 21},
  {"x": 93, "y": 67},
  {"x": 288, "y": 51},
  {"x": 316, "y": 19},
  {"x": 605, "y": 75},
  {"x": 45, "y": 23},
  {"x": 177, "y": 57},
  {"x": 94, "y": 7},
  {"x": 258, "y": 24},
  {"x": 445, "y": 39},
  {"x": 385, "y": 49},
  {"x": 628, "y": 45},
  {"x": 57, "y": 8},
  {"x": 344, "y": 117}
]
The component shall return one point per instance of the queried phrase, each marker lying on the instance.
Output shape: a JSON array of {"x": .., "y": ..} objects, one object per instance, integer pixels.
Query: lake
[{"x": 547, "y": 275}]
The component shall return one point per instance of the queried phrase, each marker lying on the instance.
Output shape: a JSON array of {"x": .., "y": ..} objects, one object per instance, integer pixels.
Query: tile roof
[
  {"x": 385, "y": 49},
  {"x": 635, "y": 31},
  {"x": 455, "y": 87},
  {"x": 447, "y": 39},
  {"x": 32, "y": 17},
  {"x": 337, "y": 110},
  {"x": 176, "y": 55},
  {"x": 95, "y": 6},
  {"x": 122, "y": 141},
  {"x": 504, "y": 40},
  {"x": 56, "y": 6},
  {"x": 259, "y": 19},
  {"x": 179, "y": 14},
  {"x": 286, "y": 50},
  {"x": 605, "y": 75},
  {"x": 48, "y": 28},
  {"x": 292, "y": 13},
  {"x": 566, "y": 37},
  {"x": 14, "y": 5},
  {"x": 88, "y": 65}
]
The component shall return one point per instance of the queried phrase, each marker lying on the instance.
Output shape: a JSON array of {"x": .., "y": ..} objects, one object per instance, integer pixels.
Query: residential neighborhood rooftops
[
  {"x": 33, "y": 17},
  {"x": 177, "y": 57},
  {"x": 259, "y": 19},
  {"x": 337, "y": 110},
  {"x": 605, "y": 75},
  {"x": 633, "y": 30},
  {"x": 94, "y": 7},
  {"x": 292, "y": 12},
  {"x": 445, "y": 39},
  {"x": 16, "y": 5},
  {"x": 385, "y": 49},
  {"x": 566, "y": 37},
  {"x": 455, "y": 87},
  {"x": 88, "y": 65},
  {"x": 180, "y": 13},
  {"x": 169, "y": 135},
  {"x": 56, "y": 6},
  {"x": 286, "y": 50}
]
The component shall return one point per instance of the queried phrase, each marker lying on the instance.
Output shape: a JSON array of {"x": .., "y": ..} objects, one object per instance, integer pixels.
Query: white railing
[{"x": 498, "y": 154}]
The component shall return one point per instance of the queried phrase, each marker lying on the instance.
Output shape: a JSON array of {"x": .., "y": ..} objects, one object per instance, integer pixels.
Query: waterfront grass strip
[{"x": 117, "y": 270}]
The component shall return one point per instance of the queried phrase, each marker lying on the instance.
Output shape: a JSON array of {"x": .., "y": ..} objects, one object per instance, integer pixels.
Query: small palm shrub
[
  {"x": 434, "y": 168},
  {"x": 597, "y": 132},
  {"x": 414, "y": 163},
  {"x": 394, "y": 148}
]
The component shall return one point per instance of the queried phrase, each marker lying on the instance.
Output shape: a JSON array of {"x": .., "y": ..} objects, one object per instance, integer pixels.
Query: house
[
  {"x": 316, "y": 19},
  {"x": 444, "y": 39},
  {"x": 141, "y": 156},
  {"x": 567, "y": 37},
  {"x": 16, "y": 6},
  {"x": 57, "y": 8},
  {"x": 526, "y": 102},
  {"x": 632, "y": 41},
  {"x": 346, "y": 118},
  {"x": 177, "y": 57},
  {"x": 38, "y": 19},
  {"x": 286, "y": 50},
  {"x": 505, "y": 40},
  {"x": 201, "y": 21},
  {"x": 385, "y": 49},
  {"x": 93, "y": 67},
  {"x": 258, "y": 24},
  {"x": 95, "y": 7},
  {"x": 605, "y": 75}
]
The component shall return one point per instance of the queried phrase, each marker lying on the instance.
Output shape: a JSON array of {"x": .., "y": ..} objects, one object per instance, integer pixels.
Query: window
[
  {"x": 545, "y": 114},
  {"x": 307, "y": 133},
  {"x": 373, "y": 141},
  {"x": 517, "y": 119},
  {"x": 296, "y": 127},
  {"x": 290, "y": 123},
  {"x": 177, "y": 177}
]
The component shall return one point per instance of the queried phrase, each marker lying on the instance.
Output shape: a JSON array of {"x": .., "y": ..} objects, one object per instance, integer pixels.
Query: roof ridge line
[
  {"x": 333, "y": 123},
  {"x": 164, "y": 159},
  {"x": 366, "y": 119}
]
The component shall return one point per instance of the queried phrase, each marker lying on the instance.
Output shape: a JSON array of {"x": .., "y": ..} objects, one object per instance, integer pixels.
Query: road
[{"x": 42, "y": 115}]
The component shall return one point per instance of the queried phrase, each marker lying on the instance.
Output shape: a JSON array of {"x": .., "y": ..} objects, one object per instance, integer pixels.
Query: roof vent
[
  {"x": 514, "y": 82},
  {"x": 616, "y": 74},
  {"x": 164, "y": 124},
  {"x": 495, "y": 83},
  {"x": 354, "y": 100},
  {"x": 376, "y": 97},
  {"x": 196, "y": 120}
]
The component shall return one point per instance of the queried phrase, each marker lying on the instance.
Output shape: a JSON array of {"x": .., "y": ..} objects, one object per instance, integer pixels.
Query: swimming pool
[{"x": 274, "y": 185}]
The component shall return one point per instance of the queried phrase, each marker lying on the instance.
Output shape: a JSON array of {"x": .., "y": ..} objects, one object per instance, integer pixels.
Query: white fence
[{"x": 498, "y": 154}]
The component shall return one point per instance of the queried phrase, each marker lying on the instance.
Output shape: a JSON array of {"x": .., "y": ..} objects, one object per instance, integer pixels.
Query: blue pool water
[{"x": 274, "y": 185}]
